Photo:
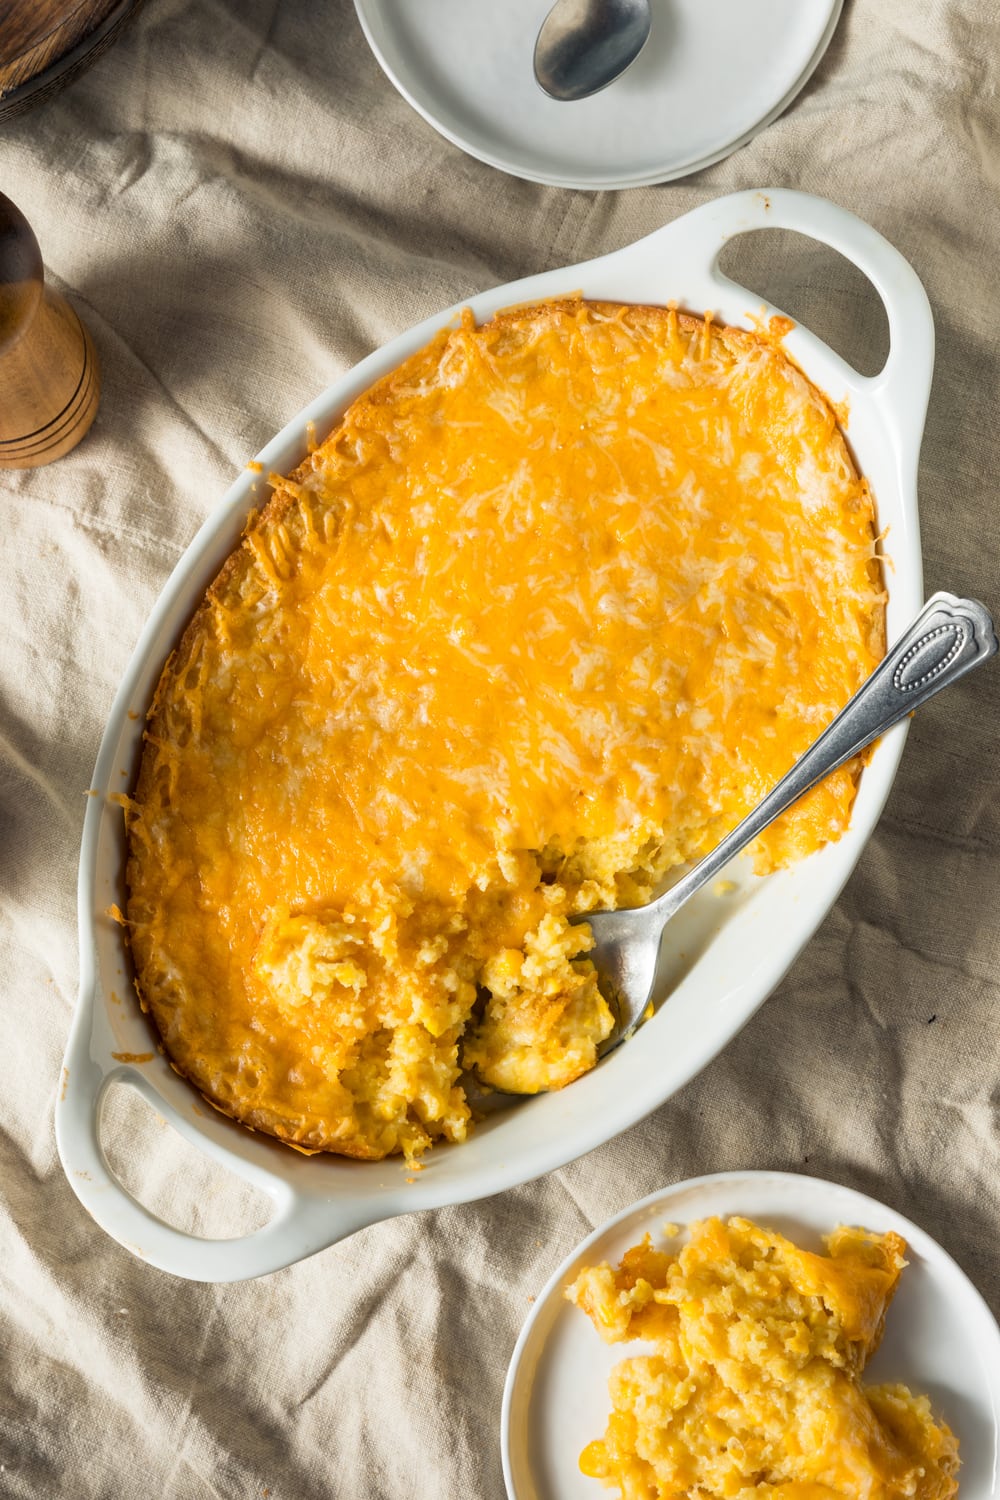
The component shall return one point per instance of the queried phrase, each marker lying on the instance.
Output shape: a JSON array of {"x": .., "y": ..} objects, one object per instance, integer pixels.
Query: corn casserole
[
  {"x": 752, "y": 1389},
  {"x": 554, "y": 604}
]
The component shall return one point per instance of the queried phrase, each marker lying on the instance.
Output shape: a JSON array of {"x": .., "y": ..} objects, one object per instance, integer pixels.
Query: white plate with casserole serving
[
  {"x": 940, "y": 1337},
  {"x": 744, "y": 952}
]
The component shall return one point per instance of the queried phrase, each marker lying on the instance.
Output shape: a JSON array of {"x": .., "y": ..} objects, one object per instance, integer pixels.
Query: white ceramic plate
[
  {"x": 712, "y": 74},
  {"x": 941, "y": 1338},
  {"x": 723, "y": 957}
]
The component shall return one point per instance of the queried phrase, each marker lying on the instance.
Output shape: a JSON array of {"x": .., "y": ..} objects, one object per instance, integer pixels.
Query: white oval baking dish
[{"x": 745, "y": 946}]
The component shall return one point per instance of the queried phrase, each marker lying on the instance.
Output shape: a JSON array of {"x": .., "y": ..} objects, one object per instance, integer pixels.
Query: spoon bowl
[{"x": 583, "y": 45}]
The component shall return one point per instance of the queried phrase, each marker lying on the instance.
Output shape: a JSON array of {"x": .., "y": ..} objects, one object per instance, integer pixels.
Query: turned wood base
[
  {"x": 50, "y": 384},
  {"x": 59, "y": 342}
]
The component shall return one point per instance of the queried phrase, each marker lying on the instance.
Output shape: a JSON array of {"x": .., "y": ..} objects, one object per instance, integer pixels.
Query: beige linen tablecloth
[{"x": 240, "y": 206}]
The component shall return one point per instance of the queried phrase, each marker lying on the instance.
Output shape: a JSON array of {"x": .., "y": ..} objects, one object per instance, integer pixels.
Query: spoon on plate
[
  {"x": 583, "y": 45},
  {"x": 948, "y": 638}
]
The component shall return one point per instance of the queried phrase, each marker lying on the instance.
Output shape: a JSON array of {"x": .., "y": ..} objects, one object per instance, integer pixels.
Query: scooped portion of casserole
[
  {"x": 750, "y": 1385},
  {"x": 553, "y": 605}
]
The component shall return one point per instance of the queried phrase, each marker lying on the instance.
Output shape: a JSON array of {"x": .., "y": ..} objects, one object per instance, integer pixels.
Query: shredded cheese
[{"x": 563, "y": 596}]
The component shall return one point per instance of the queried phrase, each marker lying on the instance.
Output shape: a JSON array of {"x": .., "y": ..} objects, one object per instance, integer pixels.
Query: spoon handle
[{"x": 948, "y": 638}]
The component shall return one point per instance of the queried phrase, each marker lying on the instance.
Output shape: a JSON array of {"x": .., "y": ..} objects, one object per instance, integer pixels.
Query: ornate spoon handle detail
[{"x": 948, "y": 638}]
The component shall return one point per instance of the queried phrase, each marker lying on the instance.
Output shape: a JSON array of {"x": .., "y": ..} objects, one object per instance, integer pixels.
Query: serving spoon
[
  {"x": 948, "y": 638},
  {"x": 583, "y": 45}
]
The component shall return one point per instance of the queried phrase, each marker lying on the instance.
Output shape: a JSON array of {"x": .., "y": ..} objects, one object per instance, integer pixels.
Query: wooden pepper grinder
[{"x": 50, "y": 385}]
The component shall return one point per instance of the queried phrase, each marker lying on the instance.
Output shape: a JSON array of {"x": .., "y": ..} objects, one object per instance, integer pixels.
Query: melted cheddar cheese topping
[
  {"x": 550, "y": 609},
  {"x": 753, "y": 1389}
]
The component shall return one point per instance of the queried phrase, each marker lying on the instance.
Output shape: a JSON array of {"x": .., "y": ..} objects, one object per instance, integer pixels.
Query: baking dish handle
[
  {"x": 300, "y": 1224},
  {"x": 902, "y": 386}
]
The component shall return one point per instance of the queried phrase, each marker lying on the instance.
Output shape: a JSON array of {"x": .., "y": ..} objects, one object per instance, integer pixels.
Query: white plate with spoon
[{"x": 711, "y": 75}]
